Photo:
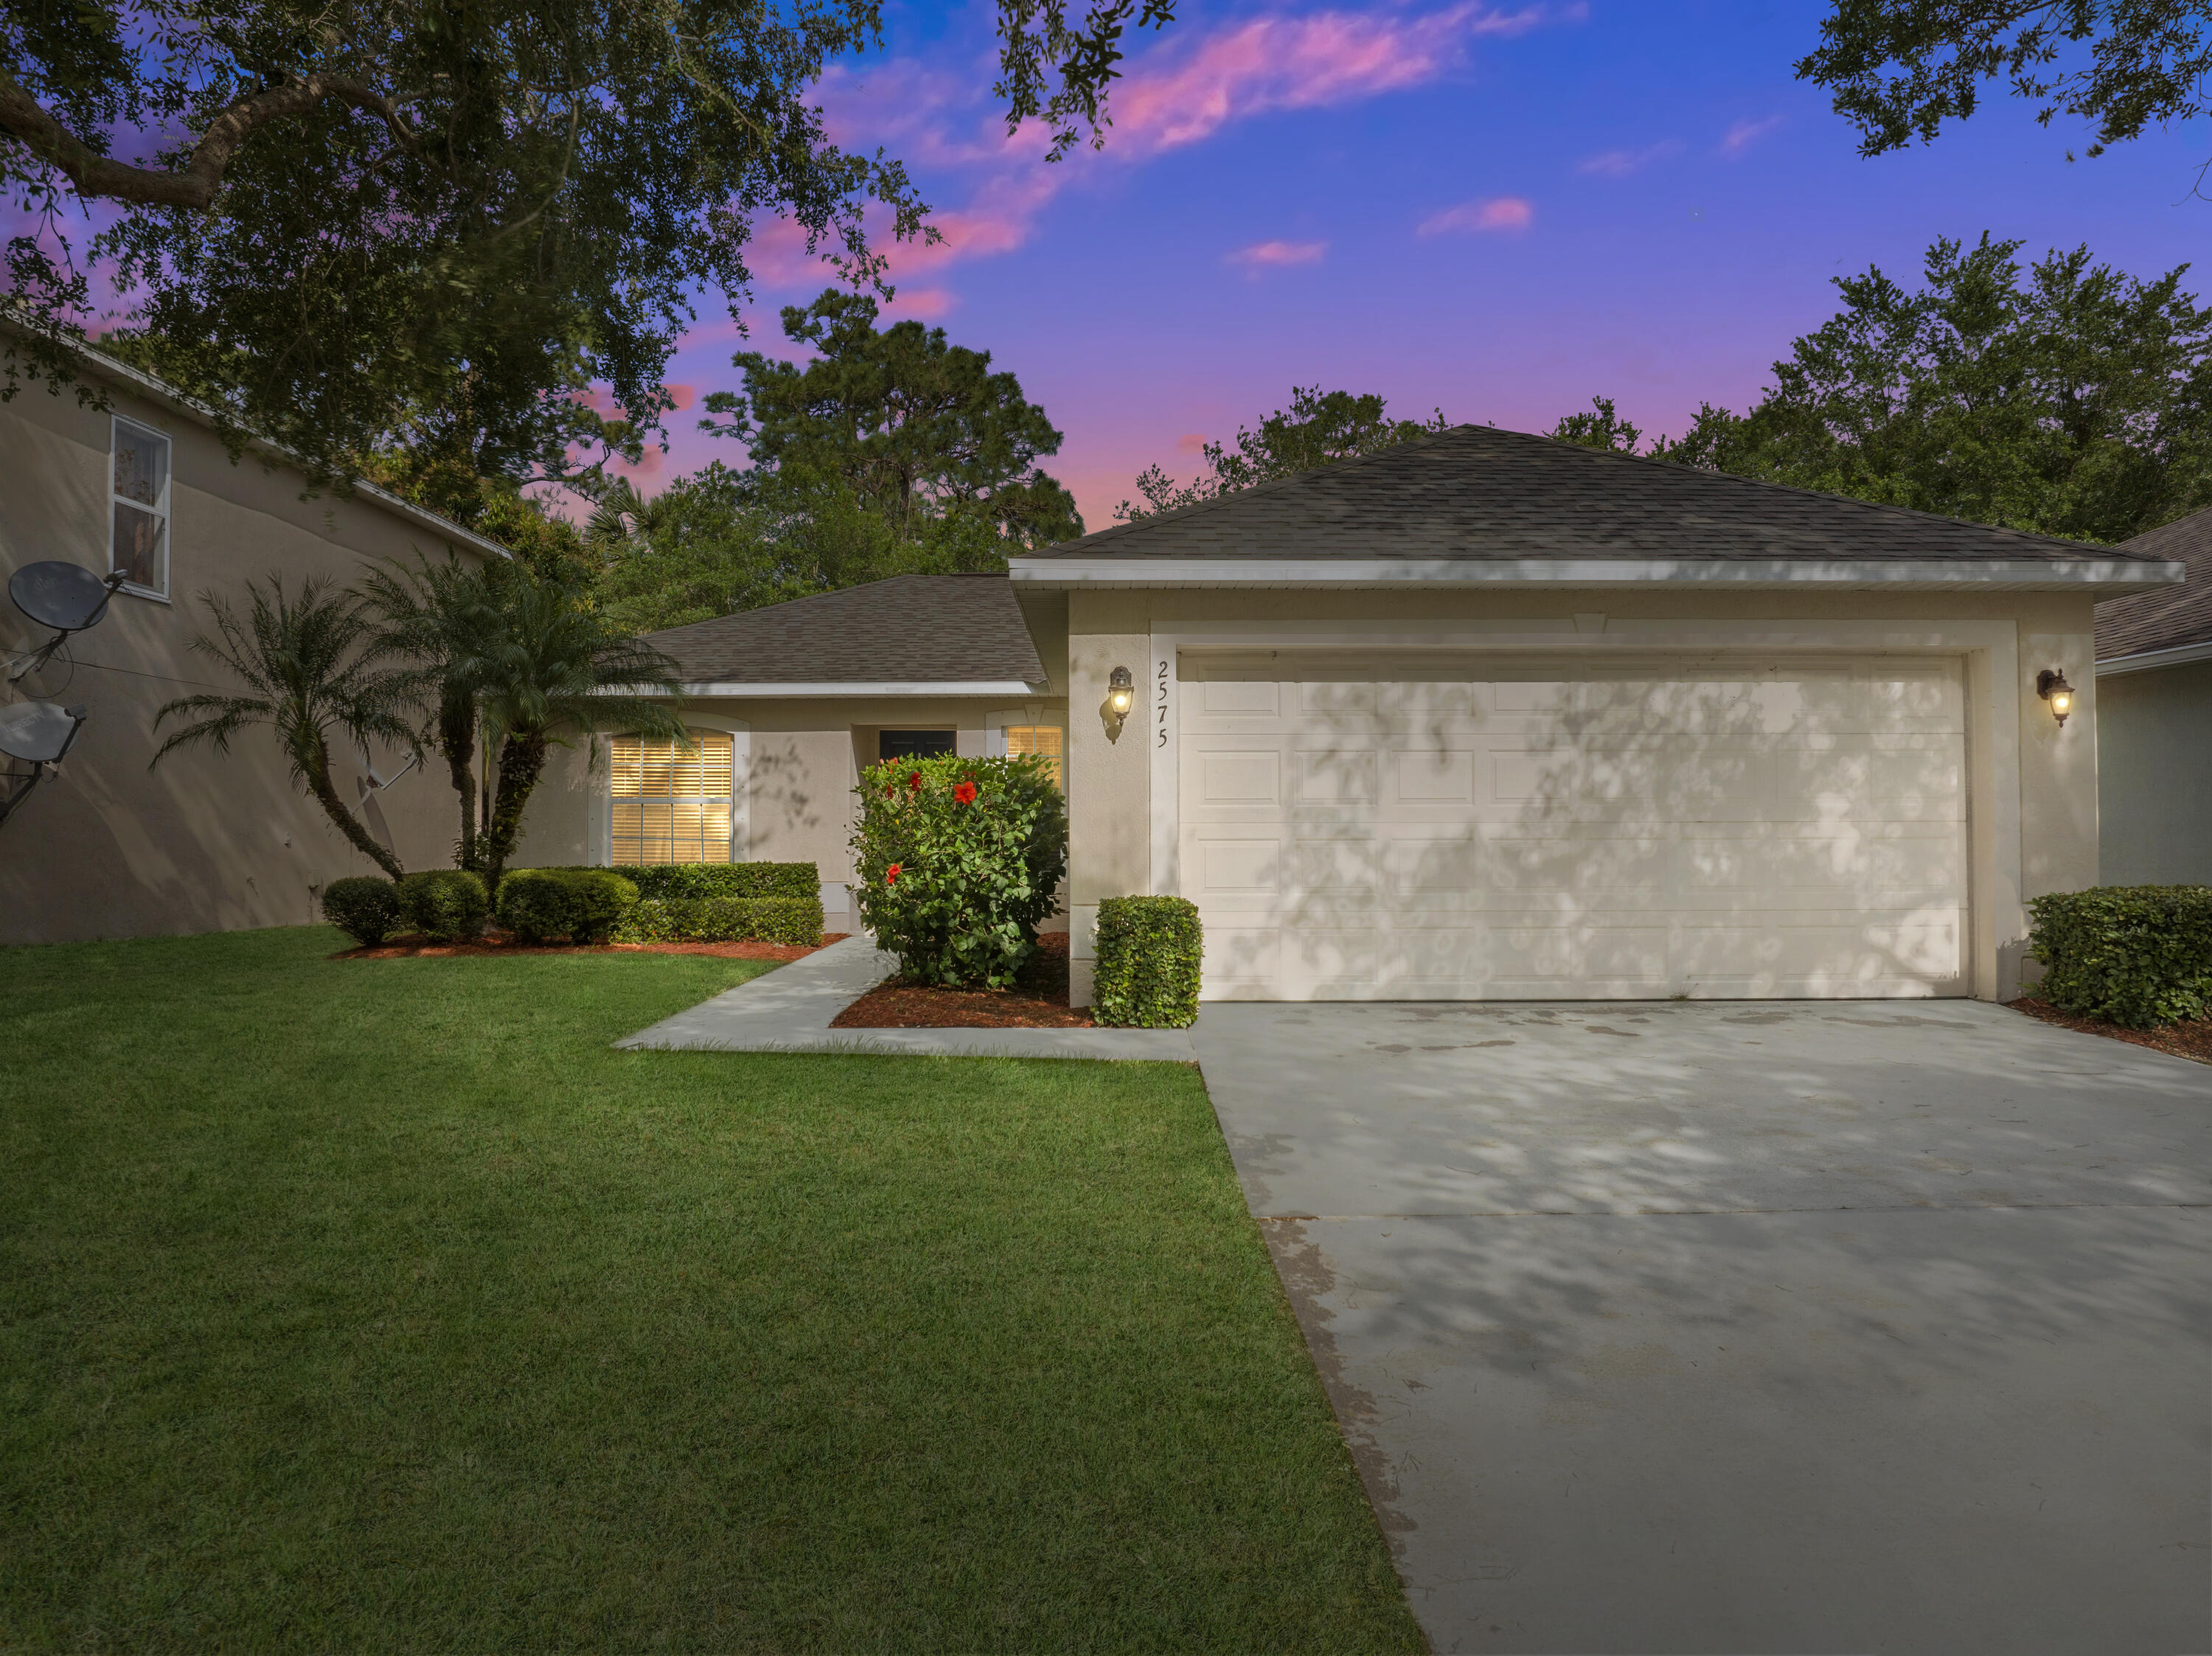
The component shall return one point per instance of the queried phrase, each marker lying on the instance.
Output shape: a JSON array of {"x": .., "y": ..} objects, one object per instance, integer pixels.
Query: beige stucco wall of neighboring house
[
  {"x": 802, "y": 758},
  {"x": 2154, "y": 775},
  {"x": 2033, "y": 802},
  {"x": 207, "y": 841}
]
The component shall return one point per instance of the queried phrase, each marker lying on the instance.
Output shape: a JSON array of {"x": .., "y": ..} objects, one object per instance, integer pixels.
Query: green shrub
[
  {"x": 2135, "y": 954},
  {"x": 364, "y": 908},
  {"x": 723, "y": 919},
  {"x": 581, "y": 904},
  {"x": 1149, "y": 950},
  {"x": 658, "y": 880},
  {"x": 958, "y": 861},
  {"x": 447, "y": 904}
]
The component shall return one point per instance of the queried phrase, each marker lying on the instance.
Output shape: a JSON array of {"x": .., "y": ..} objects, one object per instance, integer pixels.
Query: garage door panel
[{"x": 1760, "y": 829}]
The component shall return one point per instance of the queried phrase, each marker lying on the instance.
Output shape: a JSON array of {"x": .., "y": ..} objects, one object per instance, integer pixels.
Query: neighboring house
[
  {"x": 1486, "y": 716},
  {"x": 2154, "y": 719},
  {"x": 207, "y": 841}
]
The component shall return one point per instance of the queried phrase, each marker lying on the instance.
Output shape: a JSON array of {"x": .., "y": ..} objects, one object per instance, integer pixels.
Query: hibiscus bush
[{"x": 958, "y": 861}]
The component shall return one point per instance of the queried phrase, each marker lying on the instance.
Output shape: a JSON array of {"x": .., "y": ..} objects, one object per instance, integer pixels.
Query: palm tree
[
  {"x": 558, "y": 665},
  {"x": 311, "y": 664},
  {"x": 447, "y": 617}
]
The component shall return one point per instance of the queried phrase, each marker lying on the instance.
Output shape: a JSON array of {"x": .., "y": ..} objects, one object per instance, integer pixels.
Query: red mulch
[
  {"x": 2191, "y": 1039},
  {"x": 1038, "y": 1001},
  {"x": 499, "y": 942}
]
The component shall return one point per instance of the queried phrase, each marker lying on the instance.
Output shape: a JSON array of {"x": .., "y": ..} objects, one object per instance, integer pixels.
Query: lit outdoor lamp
[
  {"x": 1121, "y": 696},
  {"x": 2051, "y": 684}
]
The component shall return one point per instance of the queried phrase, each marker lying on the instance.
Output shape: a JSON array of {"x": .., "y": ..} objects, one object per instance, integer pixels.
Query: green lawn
[{"x": 351, "y": 1305}]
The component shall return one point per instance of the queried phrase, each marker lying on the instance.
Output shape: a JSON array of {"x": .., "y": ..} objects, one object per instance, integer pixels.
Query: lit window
[
  {"x": 1043, "y": 740},
  {"x": 138, "y": 508},
  {"x": 671, "y": 803}
]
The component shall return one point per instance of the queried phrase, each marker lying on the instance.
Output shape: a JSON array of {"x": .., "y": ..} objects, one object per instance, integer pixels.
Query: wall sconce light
[
  {"x": 2051, "y": 684},
  {"x": 1121, "y": 696}
]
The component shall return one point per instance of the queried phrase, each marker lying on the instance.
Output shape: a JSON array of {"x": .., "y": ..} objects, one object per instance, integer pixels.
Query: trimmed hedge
[
  {"x": 723, "y": 919},
  {"x": 1149, "y": 950},
  {"x": 658, "y": 880},
  {"x": 363, "y": 906},
  {"x": 581, "y": 904},
  {"x": 447, "y": 904},
  {"x": 2134, "y": 955}
]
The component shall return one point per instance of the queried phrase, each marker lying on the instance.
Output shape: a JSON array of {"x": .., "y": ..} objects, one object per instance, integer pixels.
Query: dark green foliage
[
  {"x": 1148, "y": 957},
  {"x": 958, "y": 861},
  {"x": 365, "y": 908},
  {"x": 1316, "y": 430},
  {"x": 654, "y": 881},
  {"x": 903, "y": 420},
  {"x": 2070, "y": 399},
  {"x": 445, "y": 903},
  {"x": 2146, "y": 64},
  {"x": 583, "y": 905},
  {"x": 2138, "y": 956},
  {"x": 357, "y": 227},
  {"x": 312, "y": 665},
  {"x": 723, "y": 919}
]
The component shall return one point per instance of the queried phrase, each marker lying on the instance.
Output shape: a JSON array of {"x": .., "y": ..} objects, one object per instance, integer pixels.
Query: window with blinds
[
  {"x": 1043, "y": 740},
  {"x": 671, "y": 803}
]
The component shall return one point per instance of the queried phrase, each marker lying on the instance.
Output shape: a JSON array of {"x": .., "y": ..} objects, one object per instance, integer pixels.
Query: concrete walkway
[
  {"x": 789, "y": 1011},
  {"x": 1767, "y": 1327}
]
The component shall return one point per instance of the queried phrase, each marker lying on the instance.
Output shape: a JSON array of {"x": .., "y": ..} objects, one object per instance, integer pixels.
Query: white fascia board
[
  {"x": 1012, "y": 687},
  {"x": 2179, "y": 656},
  {"x": 2131, "y": 572}
]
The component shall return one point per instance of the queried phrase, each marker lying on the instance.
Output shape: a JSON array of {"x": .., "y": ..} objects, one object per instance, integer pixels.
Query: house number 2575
[{"x": 1161, "y": 680}]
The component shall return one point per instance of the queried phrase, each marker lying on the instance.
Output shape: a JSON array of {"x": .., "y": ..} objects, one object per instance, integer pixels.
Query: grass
[{"x": 352, "y": 1305}]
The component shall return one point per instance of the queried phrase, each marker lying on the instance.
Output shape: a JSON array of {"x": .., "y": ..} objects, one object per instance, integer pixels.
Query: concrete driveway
[{"x": 1750, "y": 1327}]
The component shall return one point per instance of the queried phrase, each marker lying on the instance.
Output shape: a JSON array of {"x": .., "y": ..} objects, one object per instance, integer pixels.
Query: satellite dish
[
  {"x": 66, "y": 596},
  {"x": 40, "y": 735}
]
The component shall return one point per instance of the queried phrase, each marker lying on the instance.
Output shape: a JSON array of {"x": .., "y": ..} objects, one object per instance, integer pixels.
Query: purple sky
[{"x": 1495, "y": 210}]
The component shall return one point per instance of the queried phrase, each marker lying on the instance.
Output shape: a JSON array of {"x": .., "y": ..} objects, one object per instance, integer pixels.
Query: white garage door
[{"x": 1360, "y": 830}]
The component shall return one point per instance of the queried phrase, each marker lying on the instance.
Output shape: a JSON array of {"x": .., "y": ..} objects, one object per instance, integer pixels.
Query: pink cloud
[
  {"x": 921, "y": 305},
  {"x": 1744, "y": 134},
  {"x": 1191, "y": 442},
  {"x": 1507, "y": 213},
  {"x": 1621, "y": 163},
  {"x": 1262, "y": 254},
  {"x": 1295, "y": 63},
  {"x": 684, "y": 396}
]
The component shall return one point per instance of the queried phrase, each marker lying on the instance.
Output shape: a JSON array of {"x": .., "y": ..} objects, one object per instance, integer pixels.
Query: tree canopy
[
  {"x": 1898, "y": 68},
  {"x": 349, "y": 226},
  {"x": 901, "y": 419},
  {"x": 2068, "y": 399},
  {"x": 1316, "y": 430}
]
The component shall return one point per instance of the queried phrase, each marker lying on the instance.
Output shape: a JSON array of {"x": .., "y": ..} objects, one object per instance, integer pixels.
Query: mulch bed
[
  {"x": 1038, "y": 1001},
  {"x": 499, "y": 942},
  {"x": 2191, "y": 1039}
]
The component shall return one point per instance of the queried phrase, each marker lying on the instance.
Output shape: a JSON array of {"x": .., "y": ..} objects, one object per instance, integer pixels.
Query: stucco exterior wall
[
  {"x": 207, "y": 841},
  {"x": 2035, "y": 790},
  {"x": 2154, "y": 775}
]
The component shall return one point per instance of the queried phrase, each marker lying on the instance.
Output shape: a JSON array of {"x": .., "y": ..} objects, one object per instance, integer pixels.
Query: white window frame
[
  {"x": 117, "y": 423},
  {"x": 600, "y": 848}
]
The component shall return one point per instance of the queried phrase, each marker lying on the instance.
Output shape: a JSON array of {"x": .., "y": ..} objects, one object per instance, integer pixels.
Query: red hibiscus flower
[
  {"x": 914, "y": 781},
  {"x": 890, "y": 874},
  {"x": 965, "y": 793}
]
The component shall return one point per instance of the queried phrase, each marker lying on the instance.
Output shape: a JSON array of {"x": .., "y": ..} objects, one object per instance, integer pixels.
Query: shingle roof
[
  {"x": 2171, "y": 616},
  {"x": 909, "y": 629},
  {"x": 1477, "y": 492}
]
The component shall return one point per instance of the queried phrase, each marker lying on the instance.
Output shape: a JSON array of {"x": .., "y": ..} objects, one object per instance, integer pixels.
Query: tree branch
[{"x": 23, "y": 119}]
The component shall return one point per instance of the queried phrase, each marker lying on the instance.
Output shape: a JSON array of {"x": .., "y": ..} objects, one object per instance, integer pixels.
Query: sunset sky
[{"x": 1495, "y": 210}]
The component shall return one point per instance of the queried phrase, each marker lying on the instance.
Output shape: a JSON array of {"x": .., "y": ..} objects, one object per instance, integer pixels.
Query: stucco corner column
[{"x": 1108, "y": 781}]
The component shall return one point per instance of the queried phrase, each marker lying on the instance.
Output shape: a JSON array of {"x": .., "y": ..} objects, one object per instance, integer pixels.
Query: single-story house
[
  {"x": 1486, "y": 716},
  {"x": 105, "y": 847},
  {"x": 2154, "y": 718}
]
